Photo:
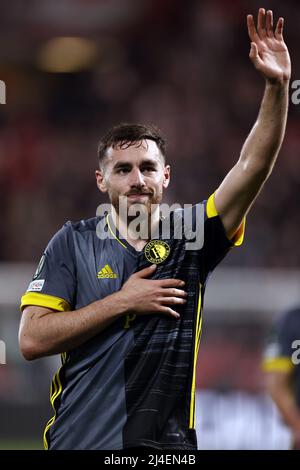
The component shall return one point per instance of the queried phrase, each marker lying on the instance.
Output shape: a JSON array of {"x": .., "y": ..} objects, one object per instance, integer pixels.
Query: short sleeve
[
  {"x": 278, "y": 349},
  {"x": 54, "y": 282},
  {"x": 216, "y": 244}
]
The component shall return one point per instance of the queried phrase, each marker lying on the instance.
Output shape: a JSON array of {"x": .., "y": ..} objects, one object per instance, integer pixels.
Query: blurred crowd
[{"x": 183, "y": 67}]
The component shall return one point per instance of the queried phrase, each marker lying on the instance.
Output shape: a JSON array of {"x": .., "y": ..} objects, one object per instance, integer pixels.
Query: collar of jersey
[
  {"x": 116, "y": 234},
  {"x": 118, "y": 237}
]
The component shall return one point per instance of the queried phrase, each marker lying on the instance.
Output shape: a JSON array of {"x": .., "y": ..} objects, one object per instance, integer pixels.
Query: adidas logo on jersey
[{"x": 106, "y": 273}]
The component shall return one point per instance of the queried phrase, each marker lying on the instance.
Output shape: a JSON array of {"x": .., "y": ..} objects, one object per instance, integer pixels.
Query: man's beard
[
  {"x": 128, "y": 210},
  {"x": 151, "y": 202}
]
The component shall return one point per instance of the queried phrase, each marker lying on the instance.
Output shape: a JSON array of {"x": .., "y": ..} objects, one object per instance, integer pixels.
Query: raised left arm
[{"x": 243, "y": 183}]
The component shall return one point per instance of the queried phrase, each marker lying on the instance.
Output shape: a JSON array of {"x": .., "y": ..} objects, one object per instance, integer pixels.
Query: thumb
[
  {"x": 254, "y": 56},
  {"x": 146, "y": 271}
]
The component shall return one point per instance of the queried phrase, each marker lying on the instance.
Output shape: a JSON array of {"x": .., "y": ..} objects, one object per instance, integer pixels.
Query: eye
[
  {"x": 148, "y": 169},
  {"x": 123, "y": 171}
]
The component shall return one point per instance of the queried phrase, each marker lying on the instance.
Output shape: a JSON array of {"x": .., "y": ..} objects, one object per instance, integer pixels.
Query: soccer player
[
  {"x": 281, "y": 365},
  {"x": 126, "y": 313}
]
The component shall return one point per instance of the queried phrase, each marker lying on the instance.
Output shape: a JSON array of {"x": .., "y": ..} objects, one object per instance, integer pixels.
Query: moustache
[{"x": 139, "y": 193}]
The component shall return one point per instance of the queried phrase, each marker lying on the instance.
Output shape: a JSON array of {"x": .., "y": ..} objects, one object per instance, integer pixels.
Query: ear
[
  {"x": 166, "y": 180},
  {"x": 100, "y": 181}
]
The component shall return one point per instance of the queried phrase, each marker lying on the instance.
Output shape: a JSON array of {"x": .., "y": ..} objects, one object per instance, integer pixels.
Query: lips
[{"x": 137, "y": 197}]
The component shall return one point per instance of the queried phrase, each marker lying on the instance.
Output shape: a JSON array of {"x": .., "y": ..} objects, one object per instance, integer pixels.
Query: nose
[{"x": 136, "y": 178}]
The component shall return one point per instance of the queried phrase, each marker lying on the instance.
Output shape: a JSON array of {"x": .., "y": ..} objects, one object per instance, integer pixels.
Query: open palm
[{"x": 269, "y": 52}]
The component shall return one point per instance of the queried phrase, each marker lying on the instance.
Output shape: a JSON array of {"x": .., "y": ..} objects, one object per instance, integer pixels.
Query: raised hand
[{"x": 269, "y": 52}]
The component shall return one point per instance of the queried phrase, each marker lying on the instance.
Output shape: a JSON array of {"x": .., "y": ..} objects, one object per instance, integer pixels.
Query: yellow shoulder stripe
[
  {"x": 44, "y": 300},
  {"x": 280, "y": 364},
  {"x": 211, "y": 211}
]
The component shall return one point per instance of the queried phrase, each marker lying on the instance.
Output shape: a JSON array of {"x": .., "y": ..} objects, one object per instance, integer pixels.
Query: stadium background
[{"x": 183, "y": 66}]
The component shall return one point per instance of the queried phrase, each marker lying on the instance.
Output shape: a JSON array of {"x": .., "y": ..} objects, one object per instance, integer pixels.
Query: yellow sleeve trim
[
  {"x": 280, "y": 364},
  {"x": 211, "y": 211},
  {"x": 44, "y": 300},
  {"x": 238, "y": 238}
]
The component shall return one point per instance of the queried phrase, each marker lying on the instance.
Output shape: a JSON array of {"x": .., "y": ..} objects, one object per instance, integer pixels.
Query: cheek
[
  {"x": 159, "y": 184},
  {"x": 114, "y": 186},
  {"x": 157, "y": 187}
]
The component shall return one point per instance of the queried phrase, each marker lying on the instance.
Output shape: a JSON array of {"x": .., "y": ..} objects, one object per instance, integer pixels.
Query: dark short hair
[{"x": 124, "y": 135}]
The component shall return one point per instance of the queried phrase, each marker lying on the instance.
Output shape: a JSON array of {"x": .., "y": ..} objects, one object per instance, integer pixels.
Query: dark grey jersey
[{"x": 133, "y": 384}]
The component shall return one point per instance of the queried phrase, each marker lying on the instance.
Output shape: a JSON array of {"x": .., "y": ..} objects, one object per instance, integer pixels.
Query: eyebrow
[
  {"x": 129, "y": 164},
  {"x": 121, "y": 165}
]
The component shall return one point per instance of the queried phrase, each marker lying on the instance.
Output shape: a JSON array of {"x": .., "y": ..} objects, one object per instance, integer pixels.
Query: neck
[{"x": 128, "y": 228}]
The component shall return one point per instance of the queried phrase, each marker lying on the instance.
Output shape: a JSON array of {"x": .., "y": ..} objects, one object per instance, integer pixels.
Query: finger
[
  {"x": 253, "y": 54},
  {"x": 170, "y": 282},
  {"x": 279, "y": 29},
  {"x": 269, "y": 24},
  {"x": 261, "y": 23},
  {"x": 146, "y": 271},
  {"x": 171, "y": 301},
  {"x": 173, "y": 292},
  {"x": 169, "y": 311},
  {"x": 251, "y": 29}
]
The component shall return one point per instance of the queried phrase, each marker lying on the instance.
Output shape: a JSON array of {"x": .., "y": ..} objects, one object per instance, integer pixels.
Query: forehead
[{"x": 141, "y": 150}]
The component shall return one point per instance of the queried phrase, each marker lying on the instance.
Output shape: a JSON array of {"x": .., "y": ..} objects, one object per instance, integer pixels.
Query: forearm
[
  {"x": 241, "y": 186},
  {"x": 44, "y": 331},
  {"x": 57, "y": 332},
  {"x": 262, "y": 146}
]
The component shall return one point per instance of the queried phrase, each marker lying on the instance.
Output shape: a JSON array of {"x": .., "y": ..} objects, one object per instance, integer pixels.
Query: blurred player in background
[
  {"x": 126, "y": 313},
  {"x": 281, "y": 364}
]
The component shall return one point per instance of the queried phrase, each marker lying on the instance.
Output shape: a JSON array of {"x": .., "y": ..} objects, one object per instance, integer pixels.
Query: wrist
[
  {"x": 122, "y": 303},
  {"x": 277, "y": 84}
]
